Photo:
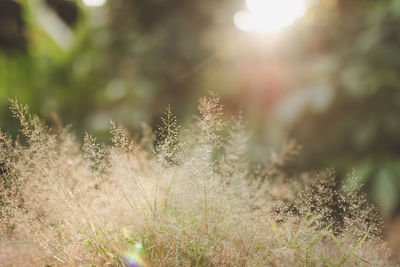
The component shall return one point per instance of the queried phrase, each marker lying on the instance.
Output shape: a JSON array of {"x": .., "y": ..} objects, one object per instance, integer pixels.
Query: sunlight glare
[
  {"x": 94, "y": 2},
  {"x": 268, "y": 16}
]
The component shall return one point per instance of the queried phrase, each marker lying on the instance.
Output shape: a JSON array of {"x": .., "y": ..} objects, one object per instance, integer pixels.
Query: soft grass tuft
[{"x": 192, "y": 199}]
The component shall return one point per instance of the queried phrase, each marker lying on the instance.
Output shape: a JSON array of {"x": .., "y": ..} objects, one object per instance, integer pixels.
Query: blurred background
[{"x": 328, "y": 76}]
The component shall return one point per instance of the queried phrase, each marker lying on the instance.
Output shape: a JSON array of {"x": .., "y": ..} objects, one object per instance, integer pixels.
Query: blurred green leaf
[{"x": 385, "y": 191}]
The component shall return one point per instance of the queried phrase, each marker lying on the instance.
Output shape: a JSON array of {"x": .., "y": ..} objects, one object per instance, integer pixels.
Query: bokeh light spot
[{"x": 94, "y": 2}]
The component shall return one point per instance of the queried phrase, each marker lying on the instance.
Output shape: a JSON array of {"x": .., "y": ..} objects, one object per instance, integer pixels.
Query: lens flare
[
  {"x": 135, "y": 257},
  {"x": 268, "y": 16}
]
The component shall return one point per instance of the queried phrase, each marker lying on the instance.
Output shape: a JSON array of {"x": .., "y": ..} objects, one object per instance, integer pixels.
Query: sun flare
[{"x": 268, "y": 16}]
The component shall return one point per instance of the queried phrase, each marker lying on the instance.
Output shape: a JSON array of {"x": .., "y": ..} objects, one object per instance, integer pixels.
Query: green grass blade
[
  {"x": 356, "y": 247},
  {"x": 338, "y": 244}
]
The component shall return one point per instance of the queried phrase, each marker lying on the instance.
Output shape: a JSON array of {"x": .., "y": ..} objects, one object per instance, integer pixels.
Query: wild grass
[{"x": 188, "y": 196}]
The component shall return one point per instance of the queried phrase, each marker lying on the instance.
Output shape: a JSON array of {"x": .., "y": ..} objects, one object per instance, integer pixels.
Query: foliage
[
  {"x": 349, "y": 96},
  {"x": 74, "y": 207},
  {"x": 58, "y": 71}
]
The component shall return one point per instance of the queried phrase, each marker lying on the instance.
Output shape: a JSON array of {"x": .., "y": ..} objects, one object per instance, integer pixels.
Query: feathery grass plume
[
  {"x": 236, "y": 148},
  {"x": 210, "y": 123},
  {"x": 167, "y": 137},
  {"x": 121, "y": 140},
  {"x": 63, "y": 204}
]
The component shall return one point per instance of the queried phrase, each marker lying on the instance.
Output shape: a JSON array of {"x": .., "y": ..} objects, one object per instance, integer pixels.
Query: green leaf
[
  {"x": 356, "y": 247},
  {"x": 333, "y": 237},
  {"x": 385, "y": 191}
]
